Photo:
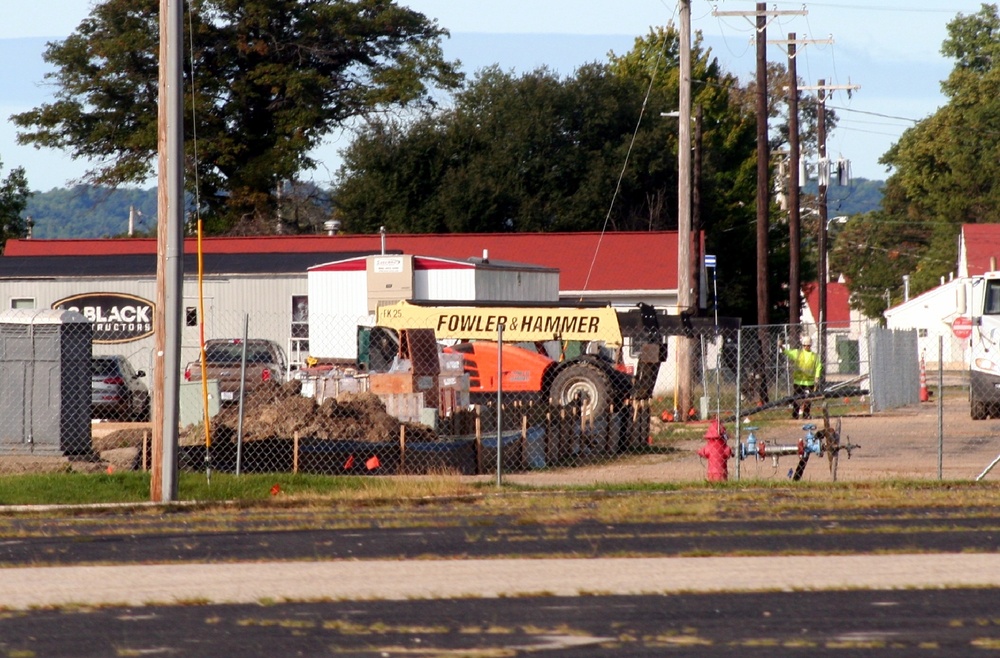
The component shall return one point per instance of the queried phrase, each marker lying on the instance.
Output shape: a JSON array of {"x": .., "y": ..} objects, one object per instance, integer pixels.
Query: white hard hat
[{"x": 807, "y": 341}]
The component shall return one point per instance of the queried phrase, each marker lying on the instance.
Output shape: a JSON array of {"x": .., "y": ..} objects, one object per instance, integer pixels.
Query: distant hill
[
  {"x": 91, "y": 212},
  {"x": 94, "y": 212},
  {"x": 861, "y": 196}
]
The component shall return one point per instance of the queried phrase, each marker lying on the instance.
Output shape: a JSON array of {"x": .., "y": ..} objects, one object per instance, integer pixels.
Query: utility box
[
  {"x": 45, "y": 382},
  {"x": 192, "y": 411}
]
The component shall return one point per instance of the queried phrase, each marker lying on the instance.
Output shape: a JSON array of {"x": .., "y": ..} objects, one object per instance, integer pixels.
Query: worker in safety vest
[{"x": 806, "y": 369}]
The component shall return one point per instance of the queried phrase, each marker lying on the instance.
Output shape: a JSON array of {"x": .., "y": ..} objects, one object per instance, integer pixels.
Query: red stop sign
[{"x": 961, "y": 327}]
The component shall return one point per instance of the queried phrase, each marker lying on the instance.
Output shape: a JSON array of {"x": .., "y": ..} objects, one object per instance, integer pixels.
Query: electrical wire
[
  {"x": 628, "y": 153},
  {"x": 207, "y": 419}
]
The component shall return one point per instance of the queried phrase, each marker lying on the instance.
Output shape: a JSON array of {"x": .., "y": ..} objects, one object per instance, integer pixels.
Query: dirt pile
[{"x": 358, "y": 417}]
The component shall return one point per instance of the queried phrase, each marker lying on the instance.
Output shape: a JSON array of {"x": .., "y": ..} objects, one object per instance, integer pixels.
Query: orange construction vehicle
[{"x": 555, "y": 352}]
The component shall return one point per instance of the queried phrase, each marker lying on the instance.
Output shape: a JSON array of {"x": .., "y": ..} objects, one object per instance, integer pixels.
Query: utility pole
[
  {"x": 682, "y": 393},
  {"x": 823, "y": 183},
  {"x": 763, "y": 167},
  {"x": 763, "y": 175},
  {"x": 794, "y": 207},
  {"x": 763, "y": 153},
  {"x": 794, "y": 221},
  {"x": 169, "y": 256}
]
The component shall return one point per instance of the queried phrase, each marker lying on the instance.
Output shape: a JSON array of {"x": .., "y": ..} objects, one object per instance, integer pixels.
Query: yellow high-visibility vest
[{"x": 806, "y": 366}]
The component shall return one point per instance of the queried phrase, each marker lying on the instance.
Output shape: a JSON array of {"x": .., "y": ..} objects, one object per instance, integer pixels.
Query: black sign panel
[{"x": 117, "y": 317}]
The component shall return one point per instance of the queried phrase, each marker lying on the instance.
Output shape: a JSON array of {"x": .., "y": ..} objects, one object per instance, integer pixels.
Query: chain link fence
[{"x": 342, "y": 396}]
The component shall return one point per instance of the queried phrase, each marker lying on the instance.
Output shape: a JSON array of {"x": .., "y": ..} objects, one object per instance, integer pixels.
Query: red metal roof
[
  {"x": 838, "y": 309},
  {"x": 982, "y": 242},
  {"x": 419, "y": 263},
  {"x": 586, "y": 261}
]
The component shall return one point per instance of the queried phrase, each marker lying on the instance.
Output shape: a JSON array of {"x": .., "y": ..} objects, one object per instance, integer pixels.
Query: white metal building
[
  {"x": 269, "y": 293},
  {"x": 933, "y": 314},
  {"x": 263, "y": 280}
]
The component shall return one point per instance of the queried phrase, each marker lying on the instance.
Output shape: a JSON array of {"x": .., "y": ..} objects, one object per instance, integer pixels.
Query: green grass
[
  {"x": 621, "y": 501},
  {"x": 72, "y": 488}
]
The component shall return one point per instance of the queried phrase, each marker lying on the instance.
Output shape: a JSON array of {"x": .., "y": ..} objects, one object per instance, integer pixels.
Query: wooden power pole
[
  {"x": 682, "y": 393},
  {"x": 794, "y": 220},
  {"x": 763, "y": 151},
  {"x": 824, "y": 178},
  {"x": 169, "y": 255},
  {"x": 794, "y": 207}
]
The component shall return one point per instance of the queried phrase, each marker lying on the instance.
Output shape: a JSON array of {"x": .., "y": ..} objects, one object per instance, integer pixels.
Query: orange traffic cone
[{"x": 924, "y": 395}]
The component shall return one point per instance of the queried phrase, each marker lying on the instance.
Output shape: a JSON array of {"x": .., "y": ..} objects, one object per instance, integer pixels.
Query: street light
[{"x": 839, "y": 219}]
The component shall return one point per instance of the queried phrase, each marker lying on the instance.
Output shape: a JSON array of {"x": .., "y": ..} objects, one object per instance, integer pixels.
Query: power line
[
  {"x": 874, "y": 114},
  {"x": 897, "y": 9}
]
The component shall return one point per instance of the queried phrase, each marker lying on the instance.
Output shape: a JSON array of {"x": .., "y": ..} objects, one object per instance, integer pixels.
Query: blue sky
[{"x": 891, "y": 48}]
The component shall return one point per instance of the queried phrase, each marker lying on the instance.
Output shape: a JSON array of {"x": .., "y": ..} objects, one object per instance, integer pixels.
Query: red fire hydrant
[{"x": 717, "y": 451}]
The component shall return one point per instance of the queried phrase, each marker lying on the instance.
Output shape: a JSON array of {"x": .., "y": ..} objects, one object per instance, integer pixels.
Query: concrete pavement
[{"x": 26, "y": 587}]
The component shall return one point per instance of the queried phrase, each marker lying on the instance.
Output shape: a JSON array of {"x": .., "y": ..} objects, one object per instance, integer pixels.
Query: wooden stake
[
  {"x": 479, "y": 440},
  {"x": 145, "y": 451},
  {"x": 402, "y": 447},
  {"x": 524, "y": 440},
  {"x": 295, "y": 453}
]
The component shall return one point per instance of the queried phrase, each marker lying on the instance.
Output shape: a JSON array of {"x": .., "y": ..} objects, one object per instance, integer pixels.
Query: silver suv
[{"x": 117, "y": 390}]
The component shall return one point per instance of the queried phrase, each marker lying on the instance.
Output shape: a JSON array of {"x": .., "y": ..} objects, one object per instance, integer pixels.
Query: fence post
[
  {"x": 737, "y": 406},
  {"x": 500, "y": 328},
  {"x": 295, "y": 453},
  {"x": 940, "y": 407}
]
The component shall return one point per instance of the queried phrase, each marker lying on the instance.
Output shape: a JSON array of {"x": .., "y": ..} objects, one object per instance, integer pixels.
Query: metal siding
[
  {"x": 337, "y": 305},
  {"x": 333, "y": 316},
  {"x": 445, "y": 284},
  {"x": 524, "y": 286},
  {"x": 267, "y": 298}
]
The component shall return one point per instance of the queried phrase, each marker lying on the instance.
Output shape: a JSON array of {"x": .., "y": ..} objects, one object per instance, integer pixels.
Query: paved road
[
  {"x": 298, "y": 582},
  {"x": 98, "y": 540},
  {"x": 949, "y": 624},
  {"x": 749, "y": 606}
]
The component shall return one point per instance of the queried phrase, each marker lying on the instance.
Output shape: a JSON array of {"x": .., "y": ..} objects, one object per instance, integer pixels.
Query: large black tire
[
  {"x": 584, "y": 381},
  {"x": 977, "y": 407}
]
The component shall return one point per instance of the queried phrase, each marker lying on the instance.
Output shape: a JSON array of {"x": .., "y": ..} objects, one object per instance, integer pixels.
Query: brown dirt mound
[
  {"x": 359, "y": 417},
  {"x": 124, "y": 438}
]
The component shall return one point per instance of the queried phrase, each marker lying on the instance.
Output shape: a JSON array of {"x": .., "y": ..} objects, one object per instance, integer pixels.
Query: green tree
[
  {"x": 589, "y": 151},
  {"x": 271, "y": 79},
  {"x": 515, "y": 153},
  {"x": 874, "y": 251},
  {"x": 947, "y": 168},
  {"x": 14, "y": 195}
]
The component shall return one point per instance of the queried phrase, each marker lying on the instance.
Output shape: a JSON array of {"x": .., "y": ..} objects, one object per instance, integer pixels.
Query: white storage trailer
[{"x": 346, "y": 294}]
